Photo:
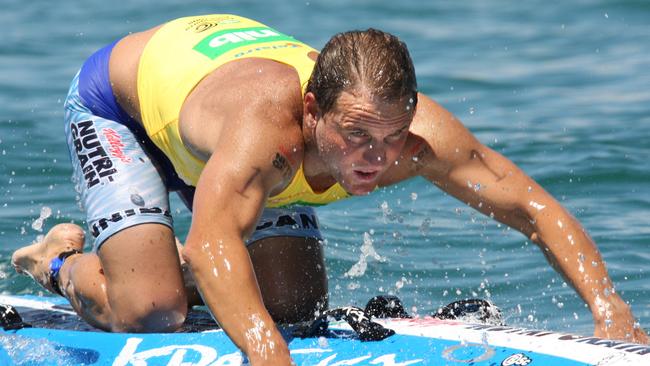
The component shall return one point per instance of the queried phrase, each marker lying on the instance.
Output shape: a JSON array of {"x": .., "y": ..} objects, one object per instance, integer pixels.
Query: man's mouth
[{"x": 366, "y": 175}]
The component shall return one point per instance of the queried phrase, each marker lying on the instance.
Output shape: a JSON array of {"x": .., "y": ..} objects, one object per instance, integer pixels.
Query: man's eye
[
  {"x": 397, "y": 135},
  {"x": 358, "y": 133}
]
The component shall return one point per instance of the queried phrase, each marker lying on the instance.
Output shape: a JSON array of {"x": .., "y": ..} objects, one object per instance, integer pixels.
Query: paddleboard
[{"x": 46, "y": 331}]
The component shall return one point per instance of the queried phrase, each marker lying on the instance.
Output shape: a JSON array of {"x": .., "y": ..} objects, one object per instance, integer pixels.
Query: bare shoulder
[
  {"x": 444, "y": 133},
  {"x": 257, "y": 100},
  {"x": 437, "y": 141}
]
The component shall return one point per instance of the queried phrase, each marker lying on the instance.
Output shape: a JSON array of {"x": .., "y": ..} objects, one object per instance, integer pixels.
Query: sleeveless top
[{"x": 181, "y": 53}]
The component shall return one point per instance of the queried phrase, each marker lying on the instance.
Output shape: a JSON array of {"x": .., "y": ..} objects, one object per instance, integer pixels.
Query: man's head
[{"x": 360, "y": 101}]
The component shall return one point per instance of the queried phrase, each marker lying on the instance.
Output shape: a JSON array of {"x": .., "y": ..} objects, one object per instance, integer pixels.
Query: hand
[
  {"x": 622, "y": 332},
  {"x": 268, "y": 349},
  {"x": 275, "y": 358},
  {"x": 619, "y": 324}
]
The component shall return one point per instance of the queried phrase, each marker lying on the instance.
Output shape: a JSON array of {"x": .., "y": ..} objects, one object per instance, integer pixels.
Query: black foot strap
[
  {"x": 386, "y": 306},
  {"x": 10, "y": 319},
  {"x": 366, "y": 329},
  {"x": 476, "y": 310}
]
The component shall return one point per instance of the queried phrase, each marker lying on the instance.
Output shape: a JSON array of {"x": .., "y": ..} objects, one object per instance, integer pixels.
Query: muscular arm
[
  {"x": 453, "y": 159},
  {"x": 241, "y": 172}
]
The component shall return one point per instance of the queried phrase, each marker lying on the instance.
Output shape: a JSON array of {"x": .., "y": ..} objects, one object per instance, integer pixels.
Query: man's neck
[{"x": 314, "y": 168}]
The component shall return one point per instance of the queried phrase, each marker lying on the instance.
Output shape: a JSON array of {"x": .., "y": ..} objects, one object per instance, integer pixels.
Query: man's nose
[{"x": 375, "y": 154}]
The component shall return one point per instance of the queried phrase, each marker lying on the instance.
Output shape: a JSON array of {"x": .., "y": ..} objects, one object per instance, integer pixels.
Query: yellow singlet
[{"x": 184, "y": 51}]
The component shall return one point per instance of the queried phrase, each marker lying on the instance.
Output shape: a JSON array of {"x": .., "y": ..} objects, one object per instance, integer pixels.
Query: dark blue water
[{"x": 561, "y": 89}]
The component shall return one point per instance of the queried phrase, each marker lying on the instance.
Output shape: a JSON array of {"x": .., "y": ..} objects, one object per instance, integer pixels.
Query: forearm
[
  {"x": 226, "y": 280},
  {"x": 574, "y": 255}
]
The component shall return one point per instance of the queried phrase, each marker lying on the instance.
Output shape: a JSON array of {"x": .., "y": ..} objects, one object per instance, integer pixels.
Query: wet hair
[{"x": 370, "y": 59}]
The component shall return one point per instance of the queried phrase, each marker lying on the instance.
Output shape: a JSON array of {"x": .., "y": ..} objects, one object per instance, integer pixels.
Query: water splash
[
  {"x": 27, "y": 351},
  {"x": 38, "y": 223},
  {"x": 367, "y": 250}
]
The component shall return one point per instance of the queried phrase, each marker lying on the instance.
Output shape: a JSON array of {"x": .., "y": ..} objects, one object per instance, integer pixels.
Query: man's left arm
[{"x": 448, "y": 155}]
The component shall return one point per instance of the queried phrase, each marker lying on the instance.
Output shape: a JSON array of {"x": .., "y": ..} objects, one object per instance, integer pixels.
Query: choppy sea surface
[{"x": 561, "y": 89}]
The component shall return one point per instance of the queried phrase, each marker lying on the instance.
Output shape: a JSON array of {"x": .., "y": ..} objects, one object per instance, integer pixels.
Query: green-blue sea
[{"x": 561, "y": 88}]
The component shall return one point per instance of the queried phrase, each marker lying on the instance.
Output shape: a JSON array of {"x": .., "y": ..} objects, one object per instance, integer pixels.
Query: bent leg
[
  {"x": 292, "y": 278},
  {"x": 134, "y": 285},
  {"x": 132, "y": 281},
  {"x": 144, "y": 282},
  {"x": 287, "y": 257}
]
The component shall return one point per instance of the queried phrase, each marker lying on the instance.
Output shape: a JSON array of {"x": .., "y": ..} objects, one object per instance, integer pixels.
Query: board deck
[{"x": 59, "y": 337}]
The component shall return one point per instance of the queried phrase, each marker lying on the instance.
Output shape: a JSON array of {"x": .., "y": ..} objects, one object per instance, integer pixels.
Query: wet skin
[{"x": 250, "y": 123}]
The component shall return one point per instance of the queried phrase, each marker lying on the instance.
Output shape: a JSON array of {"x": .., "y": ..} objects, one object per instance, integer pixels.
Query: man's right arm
[
  {"x": 229, "y": 198},
  {"x": 226, "y": 205},
  {"x": 244, "y": 121}
]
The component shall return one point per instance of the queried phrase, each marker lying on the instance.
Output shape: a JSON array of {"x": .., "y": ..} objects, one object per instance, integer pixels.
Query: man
[{"x": 253, "y": 118}]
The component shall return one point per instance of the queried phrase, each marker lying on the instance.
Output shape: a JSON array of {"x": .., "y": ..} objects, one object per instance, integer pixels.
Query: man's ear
[{"x": 311, "y": 112}]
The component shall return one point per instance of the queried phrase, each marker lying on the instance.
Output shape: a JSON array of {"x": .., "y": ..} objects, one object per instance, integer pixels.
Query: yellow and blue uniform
[{"x": 124, "y": 170}]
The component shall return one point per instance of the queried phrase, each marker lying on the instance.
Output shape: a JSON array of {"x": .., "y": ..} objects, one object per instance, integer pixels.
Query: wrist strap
[{"x": 55, "y": 267}]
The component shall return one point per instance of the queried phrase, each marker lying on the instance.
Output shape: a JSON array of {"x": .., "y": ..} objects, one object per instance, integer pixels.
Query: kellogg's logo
[{"x": 115, "y": 140}]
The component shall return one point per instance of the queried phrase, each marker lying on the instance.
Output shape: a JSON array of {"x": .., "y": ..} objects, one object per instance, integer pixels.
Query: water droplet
[
  {"x": 38, "y": 223},
  {"x": 322, "y": 342},
  {"x": 425, "y": 226},
  {"x": 353, "y": 286}
]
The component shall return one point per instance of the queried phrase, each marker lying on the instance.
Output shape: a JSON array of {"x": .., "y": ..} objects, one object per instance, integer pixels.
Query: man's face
[{"x": 361, "y": 137}]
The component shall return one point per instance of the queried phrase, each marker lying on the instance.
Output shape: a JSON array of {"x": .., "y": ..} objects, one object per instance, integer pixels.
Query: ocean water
[{"x": 561, "y": 89}]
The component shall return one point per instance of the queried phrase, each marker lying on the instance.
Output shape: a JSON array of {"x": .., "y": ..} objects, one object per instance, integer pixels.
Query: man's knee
[
  {"x": 291, "y": 275},
  {"x": 144, "y": 282},
  {"x": 150, "y": 314}
]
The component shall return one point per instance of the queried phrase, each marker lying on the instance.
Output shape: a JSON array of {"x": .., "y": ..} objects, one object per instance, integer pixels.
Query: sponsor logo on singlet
[
  {"x": 203, "y": 24},
  {"x": 221, "y": 42}
]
